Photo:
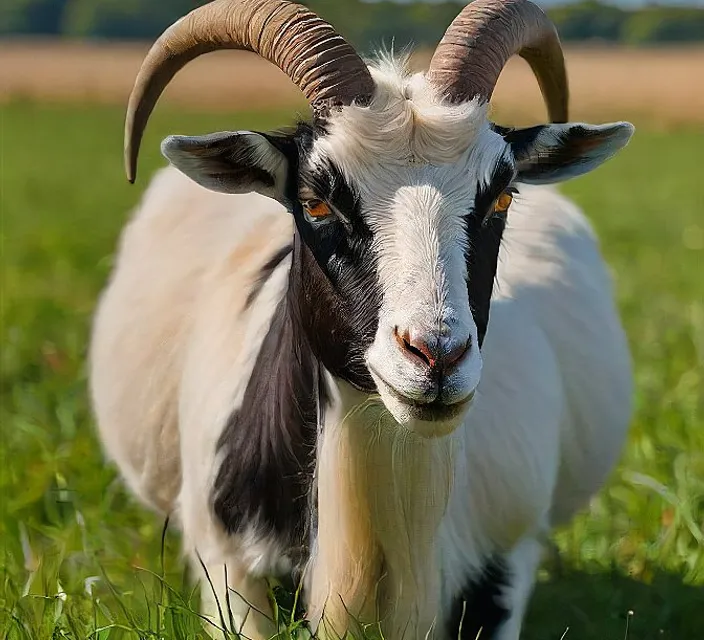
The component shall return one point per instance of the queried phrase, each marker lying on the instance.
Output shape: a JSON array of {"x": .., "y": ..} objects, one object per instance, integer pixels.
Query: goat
[{"x": 377, "y": 353}]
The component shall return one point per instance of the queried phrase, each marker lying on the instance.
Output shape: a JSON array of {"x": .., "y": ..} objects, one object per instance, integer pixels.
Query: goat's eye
[
  {"x": 503, "y": 202},
  {"x": 316, "y": 209}
]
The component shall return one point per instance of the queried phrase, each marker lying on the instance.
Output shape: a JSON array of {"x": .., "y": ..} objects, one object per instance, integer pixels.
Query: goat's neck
[
  {"x": 382, "y": 494},
  {"x": 381, "y": 491}
]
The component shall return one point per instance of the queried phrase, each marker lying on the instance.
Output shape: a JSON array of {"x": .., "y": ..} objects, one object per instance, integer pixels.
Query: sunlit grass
[{"x": 81, "y": 559}]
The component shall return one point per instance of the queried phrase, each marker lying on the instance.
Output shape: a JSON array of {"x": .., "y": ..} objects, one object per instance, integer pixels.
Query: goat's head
[{"x": 399, "y": 189}]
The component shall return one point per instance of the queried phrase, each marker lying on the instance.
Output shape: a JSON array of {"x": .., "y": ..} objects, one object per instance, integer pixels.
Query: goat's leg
[
  {"x": 234, "y": 591},
  {"x": 522, "y": 563},
  {"x": 231, "y": 597}
]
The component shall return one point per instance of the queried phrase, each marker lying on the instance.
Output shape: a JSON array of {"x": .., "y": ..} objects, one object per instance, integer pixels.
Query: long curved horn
[
  {"x": 482, "y": 38},
  {"x": 319, "y": 60}
]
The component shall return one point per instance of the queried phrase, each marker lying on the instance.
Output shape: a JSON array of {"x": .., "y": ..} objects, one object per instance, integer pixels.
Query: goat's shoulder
[
  {"x": 550, "y": 249},
  {"x": 177, "y": 213}
]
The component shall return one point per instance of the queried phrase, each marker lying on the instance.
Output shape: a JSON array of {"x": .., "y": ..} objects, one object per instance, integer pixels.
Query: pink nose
[{"x": 433, "y": 349}]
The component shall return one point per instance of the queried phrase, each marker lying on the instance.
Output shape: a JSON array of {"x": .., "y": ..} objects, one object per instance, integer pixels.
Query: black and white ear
[
  {"x": 557, "y": 152},
  {"x": 230, "y": 162}
]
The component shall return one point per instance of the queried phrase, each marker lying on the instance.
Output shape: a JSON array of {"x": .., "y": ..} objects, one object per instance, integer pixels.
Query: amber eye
[
  {"x": 316, "y": 209},
  {"x": 503, "y": 202}
]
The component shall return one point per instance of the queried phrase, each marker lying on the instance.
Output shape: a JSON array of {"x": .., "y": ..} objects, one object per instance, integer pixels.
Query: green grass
[{"x": 67, "y": 525}]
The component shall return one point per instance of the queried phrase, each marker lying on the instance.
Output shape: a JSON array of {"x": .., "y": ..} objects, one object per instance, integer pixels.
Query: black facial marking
[
  {"x": 339, "y": 286},
  {"x": 484, "y": 233},
  {"x": 477, "y": 611},
  {"x": 327, "y": 181},
  {"x": 340, "y": 299}
]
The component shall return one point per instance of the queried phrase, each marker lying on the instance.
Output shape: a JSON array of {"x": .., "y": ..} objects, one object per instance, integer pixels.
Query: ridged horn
[
  {"x": 479, "y": 42},
  {"x": 320, "y": 62}
]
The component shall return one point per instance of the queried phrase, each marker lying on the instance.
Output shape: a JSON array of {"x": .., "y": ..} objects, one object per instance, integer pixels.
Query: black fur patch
[
  {"x": 266, "y": 271},
  {"x": 268, "y": 445},
  {"x": 329, "y": 314},
  {"x": 477, "y": 611},
  {"x": 485, "y": 232}
]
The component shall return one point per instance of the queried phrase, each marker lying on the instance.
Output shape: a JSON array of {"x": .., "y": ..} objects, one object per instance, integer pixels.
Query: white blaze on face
[
  {"x": 421, "y": 242},
  {"x": 416, "y": 166}
]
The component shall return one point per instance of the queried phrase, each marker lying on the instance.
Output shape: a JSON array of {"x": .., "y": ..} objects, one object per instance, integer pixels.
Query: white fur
[
  {"x": 416, "y": 163},
  {"x": 173, "y": 347}
]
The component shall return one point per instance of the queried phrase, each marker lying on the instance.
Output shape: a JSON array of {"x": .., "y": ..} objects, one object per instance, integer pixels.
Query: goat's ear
[
  {"x": 556, "y": 152},
  {"x": 230, "y": 162}
]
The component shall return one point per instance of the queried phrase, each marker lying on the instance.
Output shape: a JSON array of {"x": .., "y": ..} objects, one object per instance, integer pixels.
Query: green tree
[
  {"x": 589, "y": 20},
  {"x": 366, "y": 24},
  {"x": 123, "y": 18},
  {"x": 40, "y": 17},
  {"x": 658, "y": 24}
]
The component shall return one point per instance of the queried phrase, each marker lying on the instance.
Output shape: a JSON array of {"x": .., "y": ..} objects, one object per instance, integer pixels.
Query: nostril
[
  {"x": 420, "y": 350},
  {"x": 414, "y": 346},
  {"x": 438, "y": 353},
  {"x": 455, "y": 355}
]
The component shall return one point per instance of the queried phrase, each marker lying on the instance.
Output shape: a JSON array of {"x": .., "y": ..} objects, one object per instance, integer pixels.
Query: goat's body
[{"x": 175, "y": 342}]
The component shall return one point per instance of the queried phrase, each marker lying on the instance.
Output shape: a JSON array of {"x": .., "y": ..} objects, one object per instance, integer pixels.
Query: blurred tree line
[{"x": 363, "y": 23}]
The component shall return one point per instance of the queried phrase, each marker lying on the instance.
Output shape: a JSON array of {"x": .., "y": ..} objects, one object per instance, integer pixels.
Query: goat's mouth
[
  {"x": 431, "y": 411},
  {"x": 435, "y": 411}
]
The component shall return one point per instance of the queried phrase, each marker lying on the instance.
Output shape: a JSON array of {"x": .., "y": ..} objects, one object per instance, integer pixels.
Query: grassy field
[{"x": 81, "y": 560}]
